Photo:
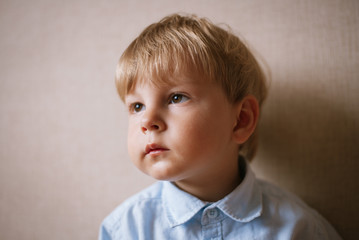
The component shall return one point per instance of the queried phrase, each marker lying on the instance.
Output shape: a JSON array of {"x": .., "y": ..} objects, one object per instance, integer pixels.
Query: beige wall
[{"x": 63, "y": 155}]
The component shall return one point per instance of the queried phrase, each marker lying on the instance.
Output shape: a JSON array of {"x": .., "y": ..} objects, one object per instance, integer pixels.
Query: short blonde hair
[{"x": 178, "y": 44}]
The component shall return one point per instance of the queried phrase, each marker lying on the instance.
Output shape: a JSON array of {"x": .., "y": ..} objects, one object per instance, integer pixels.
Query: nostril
[{"x": 150, "y": 127}]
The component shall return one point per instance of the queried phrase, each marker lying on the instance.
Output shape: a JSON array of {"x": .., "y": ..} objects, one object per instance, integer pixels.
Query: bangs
[{"x": 161, "y": 53}]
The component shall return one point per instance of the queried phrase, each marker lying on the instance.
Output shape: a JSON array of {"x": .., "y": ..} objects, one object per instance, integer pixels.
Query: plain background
[{"x": 64, "y": 163}]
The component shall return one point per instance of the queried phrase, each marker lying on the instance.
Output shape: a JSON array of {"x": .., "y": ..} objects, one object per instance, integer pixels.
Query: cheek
[
  {"x": 132, "y": 143},
  {"x": 198, "y": 135}
]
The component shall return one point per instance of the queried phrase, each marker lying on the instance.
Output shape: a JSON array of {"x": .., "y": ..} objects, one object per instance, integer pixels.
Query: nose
[{"x": 152, "y": 122}]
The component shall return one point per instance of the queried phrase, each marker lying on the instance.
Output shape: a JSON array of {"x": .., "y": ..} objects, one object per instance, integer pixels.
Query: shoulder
[
  {"x": 138, "y": 208},
  {"x": 278, "y": 197},
  {"x": 292, "y": 214}
]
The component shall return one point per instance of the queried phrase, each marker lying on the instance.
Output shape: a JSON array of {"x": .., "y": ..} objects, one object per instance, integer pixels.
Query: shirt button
[{"x": 212, "y": 213}]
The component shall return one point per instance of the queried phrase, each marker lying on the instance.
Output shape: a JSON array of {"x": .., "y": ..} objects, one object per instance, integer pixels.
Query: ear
[{"x": 247, "y": 112}]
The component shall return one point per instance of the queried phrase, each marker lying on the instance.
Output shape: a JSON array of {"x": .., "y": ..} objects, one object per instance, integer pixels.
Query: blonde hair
[{"x": 178, "y": 44}]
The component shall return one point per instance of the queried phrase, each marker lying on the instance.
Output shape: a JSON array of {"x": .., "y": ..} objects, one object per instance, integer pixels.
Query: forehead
[{"x": 180, "y": 78}]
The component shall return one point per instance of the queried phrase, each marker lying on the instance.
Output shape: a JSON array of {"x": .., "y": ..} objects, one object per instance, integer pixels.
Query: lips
[{"x": 154, "y": 148}]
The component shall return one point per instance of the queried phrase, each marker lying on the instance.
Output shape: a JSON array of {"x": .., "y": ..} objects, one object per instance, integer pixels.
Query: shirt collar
[
  {"x": 243, "y": 204},
  {"x": 179, "y": 206}
]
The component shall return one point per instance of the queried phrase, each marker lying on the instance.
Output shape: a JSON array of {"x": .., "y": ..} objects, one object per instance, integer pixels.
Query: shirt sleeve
[
  {"x": 315, "y": 227},
  {"x": 104, "y": 235}
]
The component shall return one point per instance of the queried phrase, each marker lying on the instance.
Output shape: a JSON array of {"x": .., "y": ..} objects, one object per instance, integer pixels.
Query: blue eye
[
  {"x": 178, "y": 98},
  {"x": 136, "y": 107}
]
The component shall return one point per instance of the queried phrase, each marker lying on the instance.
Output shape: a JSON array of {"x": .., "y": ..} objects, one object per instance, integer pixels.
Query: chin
[{"x": 163, "y": 176}]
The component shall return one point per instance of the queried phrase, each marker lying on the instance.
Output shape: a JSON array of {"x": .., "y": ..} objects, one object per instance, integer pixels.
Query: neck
[{"x": 216, "y": 185}]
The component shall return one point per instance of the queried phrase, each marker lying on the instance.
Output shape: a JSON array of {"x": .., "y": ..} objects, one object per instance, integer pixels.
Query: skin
[{"x": 187, "y": 132}]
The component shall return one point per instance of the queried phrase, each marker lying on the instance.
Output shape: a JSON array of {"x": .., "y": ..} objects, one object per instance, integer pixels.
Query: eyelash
[
  {"x": 137, "y": 106},
  {"x": 182, "y": 98}
]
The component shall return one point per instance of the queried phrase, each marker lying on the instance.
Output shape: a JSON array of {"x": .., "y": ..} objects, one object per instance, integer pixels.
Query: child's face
[{"x": 181, "y": 130}]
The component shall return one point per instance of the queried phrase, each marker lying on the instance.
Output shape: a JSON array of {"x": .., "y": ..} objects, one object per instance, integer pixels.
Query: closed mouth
[{"x": 154, "y": 149}]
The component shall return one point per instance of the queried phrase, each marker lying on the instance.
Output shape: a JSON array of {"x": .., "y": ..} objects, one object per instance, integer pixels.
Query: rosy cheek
[{"x": 131, "y": 142}]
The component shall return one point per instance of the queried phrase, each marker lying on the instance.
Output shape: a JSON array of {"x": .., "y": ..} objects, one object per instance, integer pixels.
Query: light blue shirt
[{"x": 254, "y": 210}]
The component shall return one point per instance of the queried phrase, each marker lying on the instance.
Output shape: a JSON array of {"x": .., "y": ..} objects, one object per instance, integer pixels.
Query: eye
[
  {"x": 136, "y": 107},
  {"x": 178, "y": 98}
]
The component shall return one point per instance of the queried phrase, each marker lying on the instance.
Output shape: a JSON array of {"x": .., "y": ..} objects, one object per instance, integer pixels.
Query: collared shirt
[{"x": 254, "y": 210}]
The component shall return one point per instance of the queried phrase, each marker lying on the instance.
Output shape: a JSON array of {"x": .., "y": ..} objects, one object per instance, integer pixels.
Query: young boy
[{"x": 193, "y": 92}]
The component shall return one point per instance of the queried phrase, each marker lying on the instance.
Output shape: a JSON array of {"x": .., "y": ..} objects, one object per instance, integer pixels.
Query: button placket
[{"x": 211, "y": 224}]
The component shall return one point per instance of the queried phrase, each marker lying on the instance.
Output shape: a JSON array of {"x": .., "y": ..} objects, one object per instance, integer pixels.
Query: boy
[{"x": 193, "y": 92}]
